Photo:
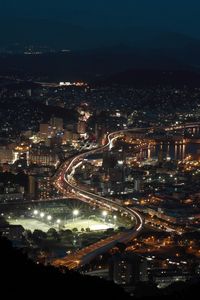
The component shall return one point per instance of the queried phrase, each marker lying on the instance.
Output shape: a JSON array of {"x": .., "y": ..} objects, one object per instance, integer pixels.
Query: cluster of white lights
[
  {"x": 104, "y": 213},
  {"x": 75, "y": 212},
  {"x": 49, "y": 217}
]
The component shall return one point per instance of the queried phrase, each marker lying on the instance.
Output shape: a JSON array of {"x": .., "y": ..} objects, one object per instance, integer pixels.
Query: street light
[
  {"x": 115, "y": 219},
  {"x": 75, "y": 213},
  {"x": 35, "y": 212},
  {"x": 58, "y": 221},
  {"x": 42, "y": 215},
  {"x": 104, "y": 213},
  {"x": 49, "y": 218}
]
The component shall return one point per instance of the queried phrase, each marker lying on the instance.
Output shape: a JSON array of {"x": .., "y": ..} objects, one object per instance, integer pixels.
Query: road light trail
[{"x": 64, "y": 179}]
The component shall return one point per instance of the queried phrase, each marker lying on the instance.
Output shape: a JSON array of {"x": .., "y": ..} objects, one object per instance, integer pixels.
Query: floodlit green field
[
  {"x": 32, "y": 224},
  {"x": 93, "y": 225}
]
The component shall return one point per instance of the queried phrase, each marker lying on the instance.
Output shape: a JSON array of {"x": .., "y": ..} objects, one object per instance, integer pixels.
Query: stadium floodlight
[
  {"x": 104, "y": 213},
  {"x": 75, "y": 212}
]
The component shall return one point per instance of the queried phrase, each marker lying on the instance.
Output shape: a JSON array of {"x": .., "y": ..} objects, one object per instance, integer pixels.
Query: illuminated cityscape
[{"x": 100, "y": 154}]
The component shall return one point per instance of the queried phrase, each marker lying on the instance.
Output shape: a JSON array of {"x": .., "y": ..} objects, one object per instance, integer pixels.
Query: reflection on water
[{"x": 173, "y": 150}]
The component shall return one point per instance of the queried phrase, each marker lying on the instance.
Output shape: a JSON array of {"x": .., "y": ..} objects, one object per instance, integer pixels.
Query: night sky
[{"x": 174, "y": 15}]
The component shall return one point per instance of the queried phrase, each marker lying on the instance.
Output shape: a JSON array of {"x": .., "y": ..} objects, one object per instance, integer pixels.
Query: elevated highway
[{"x": 64, "y": 182}]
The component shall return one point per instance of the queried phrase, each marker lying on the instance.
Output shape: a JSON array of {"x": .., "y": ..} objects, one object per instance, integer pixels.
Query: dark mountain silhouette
[
  {"x": 40, "y": 32},
  {"x": 95, "y": 52},
  {"x": 175, "y": 40},
  {"x": 63, "y": 34},
  {"x": 85, "y": 65},
  {"x": 148, "y": 77},
  {"x": 22, "y": 277}
]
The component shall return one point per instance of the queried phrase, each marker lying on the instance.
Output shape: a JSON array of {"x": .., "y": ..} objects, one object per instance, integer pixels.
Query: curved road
[{"x": 64, "y": 182}]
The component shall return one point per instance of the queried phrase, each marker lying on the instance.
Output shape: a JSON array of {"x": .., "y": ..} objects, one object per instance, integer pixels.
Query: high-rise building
[
  {"x": 45, "y": 129},
  {"x": 21, "y": 152},
  {"x": 128, "y": 268},
  {"x": 6, "y": 155},
  {"x": 160, "y": 155},
  {"x": 137, "y": 185},
  {"x": 57, "y": 123},
  {"x": 75, "y": 137},
  {"x": 67, "y": 136},
  {"x": 81, "y": 127},
  {"x": 42, "y": 155},
  {"x": 31, "y": 187},
  {"x": 44, "y": 187},
  {"x": 11, "y": 192},
  {"x": 100, "y": 133}
]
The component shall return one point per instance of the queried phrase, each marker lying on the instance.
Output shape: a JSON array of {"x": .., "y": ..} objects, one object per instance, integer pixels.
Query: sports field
[
  {"x": 32, "y": 224},
  {"x": 93, "y": 225}
]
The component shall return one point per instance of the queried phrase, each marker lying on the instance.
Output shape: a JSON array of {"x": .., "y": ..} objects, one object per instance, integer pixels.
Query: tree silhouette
[
  {"x": 39, "y": 235},
  {"x": 52, "y": 233},
  {"x": 22, "y": 277}
]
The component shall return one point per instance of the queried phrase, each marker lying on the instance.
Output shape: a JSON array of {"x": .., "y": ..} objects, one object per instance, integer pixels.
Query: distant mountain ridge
[
  {"x": 95, "y": 52},
  {"x": 39, "y": 32},
  {"x": 147, "y": 77},
  {"x": 64, "y": 34}
]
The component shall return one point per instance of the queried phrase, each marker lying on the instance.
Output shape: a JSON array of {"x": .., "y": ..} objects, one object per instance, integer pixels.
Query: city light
[
  {"x": 75, "y": 212},
  {"x": 104, "y": 213},
  {"x": 101, "y": 176}
]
